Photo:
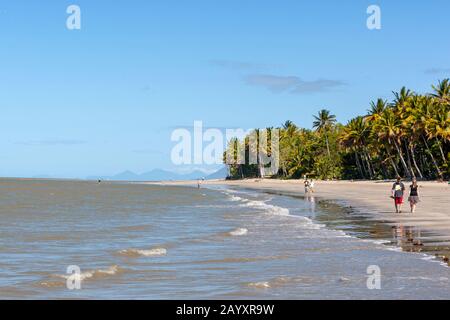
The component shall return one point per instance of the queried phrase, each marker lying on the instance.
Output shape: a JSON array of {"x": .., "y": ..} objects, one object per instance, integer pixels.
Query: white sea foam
[
  {"x": 381, "y": 242},
  {"x": 435, "y": 259},
  {"x": 145, "y": 253},
  {"x": 310, "y": 224},
  {"x": 92, "y": 273},
  {"x": 239, "y": 232},
  {"x": 230, "y": 191},
  {"x": 261, "y": 285},
  {"x": 236, "y": 198},
  {"x": 267, "y": 208},
  {"x": 111, "y": 270},
  {"x": 395, "y": 249},
  {"x": 427, "y": 258}
]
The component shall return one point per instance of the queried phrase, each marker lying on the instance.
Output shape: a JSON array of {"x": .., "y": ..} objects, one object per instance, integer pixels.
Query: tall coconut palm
[
  {"x": 376, "y": 109},
  {"x": 323, "y": 122},
  {"x": 410, "y": 136},
  {"x": 412, "y": 130},
  {"x": 442, "y": 90},
  {"x": 424, "y": 121},
  {"x": 354, "y": 136},
  {"x": 289, "y": 125},
  {"x": 402, "y": 97},
  {"x": 440, "y": 127},
  {"x": 389, "y": 130}
]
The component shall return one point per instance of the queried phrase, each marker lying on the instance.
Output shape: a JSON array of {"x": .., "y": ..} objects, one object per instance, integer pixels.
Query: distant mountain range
[{"x": 159, "y": 175}]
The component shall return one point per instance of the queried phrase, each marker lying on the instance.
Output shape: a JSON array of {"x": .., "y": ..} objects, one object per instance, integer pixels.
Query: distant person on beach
[
  {"x": 198, "y": 184},
  {"x": 414, "y": 195},
  {"x": 307, "y": 186},
  {"x": 398, "y": 189},
  {"x": 311, "y": 185}
]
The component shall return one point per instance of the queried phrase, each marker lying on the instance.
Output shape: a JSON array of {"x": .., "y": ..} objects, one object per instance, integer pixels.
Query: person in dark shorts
[
  {"x": 414, "y": 195},
  {"x": 398, "y": 189}
]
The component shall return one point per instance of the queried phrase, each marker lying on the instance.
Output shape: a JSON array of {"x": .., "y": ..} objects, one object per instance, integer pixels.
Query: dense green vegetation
[{"x": 409, "y": 136}]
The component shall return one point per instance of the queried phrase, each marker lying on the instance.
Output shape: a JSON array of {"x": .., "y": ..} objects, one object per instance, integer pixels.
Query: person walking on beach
[
  {"x": 398, "y": 189},
  {"x": 414, "y": 195},
  {"x": 311, "y": 185},
  {"x": 307, "y": 186}
]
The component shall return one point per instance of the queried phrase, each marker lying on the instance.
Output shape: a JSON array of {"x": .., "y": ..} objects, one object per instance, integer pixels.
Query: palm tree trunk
[
  {"x": 371, "y": 163},
  {"x": 441, "y": 150},
  {"x": 392, "y": 161},
  {"x": 384, "y": 170},
  {"x": 423, "y": 165},
  {"x": 260, "y": 167},
  {"x": 411, "y": 149},
  {"x": 369, "y": 169},
  {"x": 359, "y": 165},
  {"x": 328, "y": 145},
  {"x": 432, "y": 158},
  {"x": 409, "y": 159},
  {"x": 402, "y": 159},
  {"x": 395, "y": 167},
  {"x": 363, "y": 165}
]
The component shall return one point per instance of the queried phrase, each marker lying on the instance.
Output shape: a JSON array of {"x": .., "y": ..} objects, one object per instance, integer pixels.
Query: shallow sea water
[{"x": 135, "y": 241}]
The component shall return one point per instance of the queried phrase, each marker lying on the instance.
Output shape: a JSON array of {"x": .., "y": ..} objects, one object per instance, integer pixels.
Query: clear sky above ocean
[{"x": 106, "y": 98}]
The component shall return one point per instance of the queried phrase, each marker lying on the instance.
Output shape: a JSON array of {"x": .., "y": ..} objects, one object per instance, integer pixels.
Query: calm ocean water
[{"x": 147, "y": 242}]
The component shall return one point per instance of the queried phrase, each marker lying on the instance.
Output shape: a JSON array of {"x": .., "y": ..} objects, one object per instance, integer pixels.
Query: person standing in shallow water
[
  {"x": 398, "y": 189},
  {"x": 414, "y": 195}
]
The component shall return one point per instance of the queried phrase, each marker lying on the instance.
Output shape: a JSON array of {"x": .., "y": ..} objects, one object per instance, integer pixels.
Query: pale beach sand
[{"x": 432, "y": 214}]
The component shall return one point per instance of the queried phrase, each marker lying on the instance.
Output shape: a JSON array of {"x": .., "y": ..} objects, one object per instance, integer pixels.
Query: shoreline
[
  {"x": 236, "y": 242},
  {"x": 369, "y": 197}
]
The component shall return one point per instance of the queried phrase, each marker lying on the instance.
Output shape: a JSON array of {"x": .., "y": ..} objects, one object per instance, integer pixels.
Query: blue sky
[{"x": 106, "y": 98}]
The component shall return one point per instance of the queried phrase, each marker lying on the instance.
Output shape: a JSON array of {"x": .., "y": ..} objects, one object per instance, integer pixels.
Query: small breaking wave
[
  {"x": 239, "y": 232},
  {"x": 275, "y": 282},
  {"x": 145, "y": 253},
  {"x": 260, "y": 285},
  {"x": 94, "y": 273},
  {"x": 435, "y": 258},
  {"x": 237, "y": 199},
  {"x": 267, "y": 208},
  {"x": 286, "y": 280},
  {"x": 83, "y": 276}
]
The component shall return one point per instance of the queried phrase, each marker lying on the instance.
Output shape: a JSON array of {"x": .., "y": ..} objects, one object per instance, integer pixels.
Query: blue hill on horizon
[{"x": 160, "y": 175}]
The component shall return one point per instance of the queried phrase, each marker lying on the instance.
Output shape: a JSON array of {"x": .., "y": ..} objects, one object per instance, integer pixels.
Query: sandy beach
[{"x": 432, "y": 214}]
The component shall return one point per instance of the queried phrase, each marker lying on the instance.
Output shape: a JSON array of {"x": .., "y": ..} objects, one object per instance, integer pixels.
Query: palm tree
[
  {"x": 323, "y": 122},
  {"x": 410, "y": 136},
  {"x": 376, "y": 109},
  {"x": 424, "y": 120},
  {"x": 402, "y": 98},
  {"x": 233, "y": 157},
  {"x": 389, "y": 130},
  {"x": 412, "y": 130},
  {"x": 353, "y": 137},
  {"x": 289, "y": 125},
  {"x": 442, "y": 90},
  {"x": 442, "y": 123},
  {"x": 440, "y": 126}
]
